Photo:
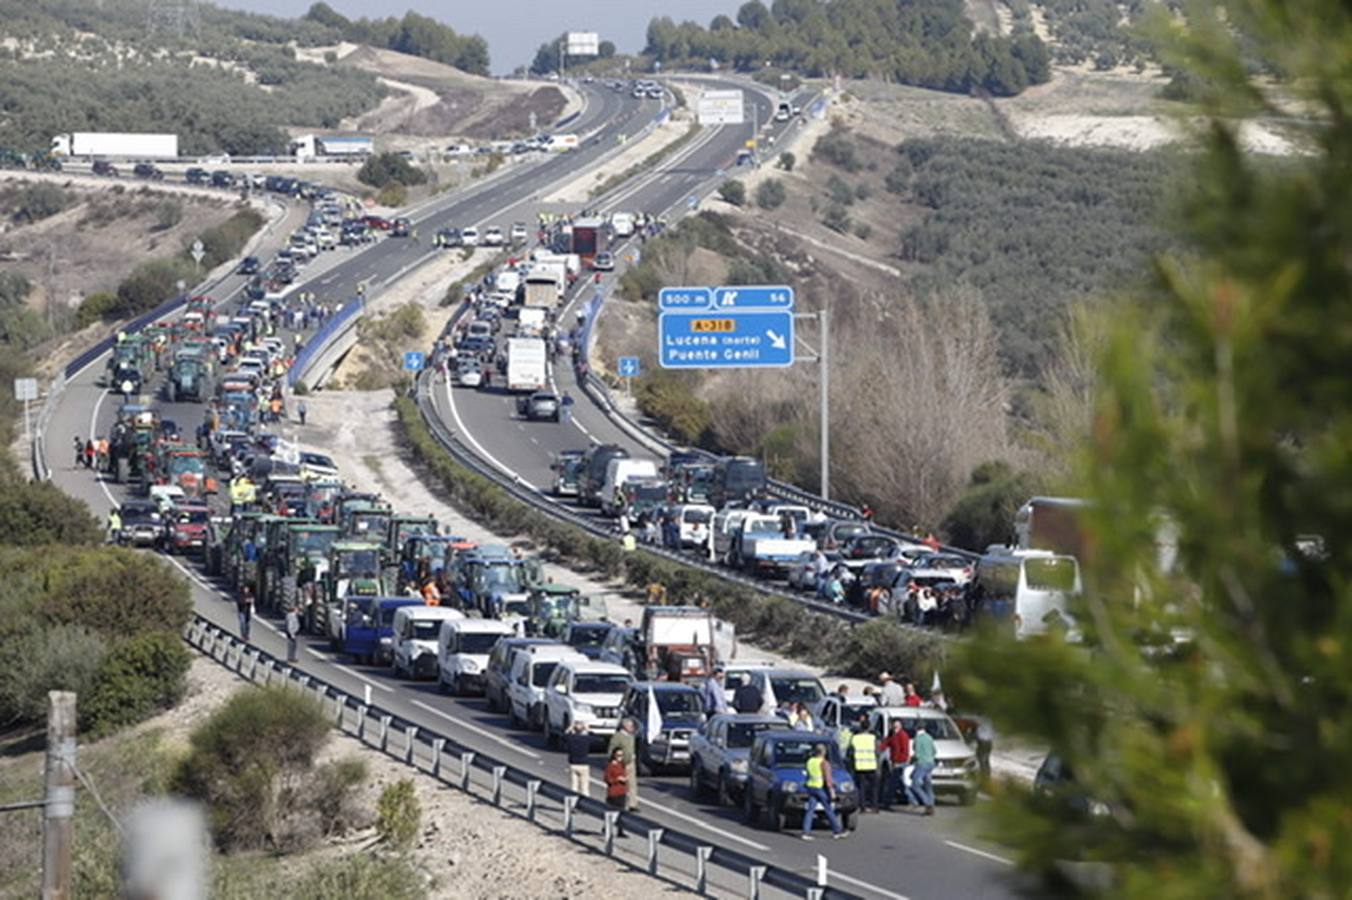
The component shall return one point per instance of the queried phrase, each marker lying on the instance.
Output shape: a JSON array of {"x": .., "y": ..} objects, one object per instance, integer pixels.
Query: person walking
[
  {"x": 79, "y": 451},
  {"x": 820, "y": 788},
  {"x": 301, "y": 411},
  {"x": 244, "y": 607},
  {"x": 578, "y": 744},
  {"x": 891, "y": 693},
  {"x": 624, "y": 742},
  {"x": 985, "y": 740},
  {"x": 921, "y": 790},
  {"x": 89, "y": 454},
  {"x": 617, "y": 786},
  {"x": 292, "y": 626},
  {"x": 566, "y": 405},
  {"x": 864, "y": 757},
  {"x": 114, "y": 525},
  {"x": 715, "y": 698},
  {"x": 897, "y": 746}
]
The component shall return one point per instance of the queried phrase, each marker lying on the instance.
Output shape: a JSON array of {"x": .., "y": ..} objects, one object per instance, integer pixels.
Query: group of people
[
  {"x": 245, "y": 608},
  {"x": 92, "y": 453}
]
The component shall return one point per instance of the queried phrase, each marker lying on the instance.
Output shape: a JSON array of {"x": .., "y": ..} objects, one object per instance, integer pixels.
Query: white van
[
  {"x": 532, "y": 667},
  {"x": 416, "y": 630},
  {"x": 618, "y": 471},
  {"x": 696, "y": 522},
  {"x": 462, "y": 652},
  {"x": 588, "y": 692},
  {"x": 1030, "y": 589},
  {"x": 622, "y": 224}
]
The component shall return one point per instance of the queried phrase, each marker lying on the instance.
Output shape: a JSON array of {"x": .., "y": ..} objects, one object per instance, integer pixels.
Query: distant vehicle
[
  {"x": 720, "y": 751},
  {"x": 519, "y": 233},
  {"x": 527, "y": 361},
  {"x": 777, "y": 771},
  {"x": 784, "y": 112},
  {"x": 459, "y": 150},
  {"x": 401, "y": 227},
  {"x": 737, "y": 479},
  {"x": 249, "y": 265},
  {"x": 622, "y": 224},
  {"x": 539, "y": 407},
  {"x": 469, "y": 236},
  {"x": 463, "y": 647},
  {"x": 116, "y": 144},
  {"x": 604, "y": 262},
  {"x": 417, "y": 630},
  {"x": 493, "y": 236},
  {"x": 147, "y": 170},
  {"x": 583, "y": 691},
  {"x": 103, "y": 167},
  {"x": 222, "y": 179},
  {"x": 1031, "y": 590}
]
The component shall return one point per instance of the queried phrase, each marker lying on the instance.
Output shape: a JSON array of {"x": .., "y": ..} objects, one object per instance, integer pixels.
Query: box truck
[
  {"x": 122, "y": 145},
  {"x": 526, "y": 361}
]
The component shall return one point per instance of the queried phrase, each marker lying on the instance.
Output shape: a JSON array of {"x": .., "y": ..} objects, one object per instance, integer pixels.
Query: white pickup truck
[
  {"x": 761, "y": 548},
  {"x": 588, "y": 692}
]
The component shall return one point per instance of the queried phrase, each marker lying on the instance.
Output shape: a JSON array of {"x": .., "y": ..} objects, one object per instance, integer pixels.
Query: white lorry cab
[
  {"x": 463, "y": 647},
  {"x": 1031, "y": 590},
  {"x": 416, "y": 629},
  {"x": 618, "y": 471}
]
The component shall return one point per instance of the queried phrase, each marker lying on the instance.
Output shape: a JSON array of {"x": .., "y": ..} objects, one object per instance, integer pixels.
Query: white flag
[
  {"x": 654, "y": 716},
  {"x": 768, "y": 703},
  {"x": 935, "y": 686}
]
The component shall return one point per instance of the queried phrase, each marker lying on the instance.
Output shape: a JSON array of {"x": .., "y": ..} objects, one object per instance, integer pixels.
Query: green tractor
[
  {"x": 353, "y": 571},
  {"x": 190, "y": 379},
  {"x": 298, "y": 557},
  {"x": 551, "y": 607},
  {"x": 364, "y": 518},
  {"x": 131, "y": 446},
  {"x": 401, "y": 528}
]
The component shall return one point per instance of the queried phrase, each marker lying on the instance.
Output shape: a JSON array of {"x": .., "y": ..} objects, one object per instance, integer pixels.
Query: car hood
[
  {"x": 599, "y": 699},
  {"x": 952, "y": 750}
]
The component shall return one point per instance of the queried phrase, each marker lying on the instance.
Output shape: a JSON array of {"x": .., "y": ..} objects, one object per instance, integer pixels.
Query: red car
[
  {"x": 378, "y": 222},
  {"x": 185, "y": 530}
]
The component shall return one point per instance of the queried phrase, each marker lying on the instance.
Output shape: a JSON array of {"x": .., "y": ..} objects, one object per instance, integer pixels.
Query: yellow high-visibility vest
[
  {"x": 815, "y": 778},
  {"x": 865, "y": 752}
]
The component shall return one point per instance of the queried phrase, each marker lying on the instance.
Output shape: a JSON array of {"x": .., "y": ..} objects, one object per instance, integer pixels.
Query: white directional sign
[
  {"x": 583, "y": 43},
  {"x": 198, "y": 251},
  {"x": 721, "y": 108},
  {"x": 25, "y": 389}
]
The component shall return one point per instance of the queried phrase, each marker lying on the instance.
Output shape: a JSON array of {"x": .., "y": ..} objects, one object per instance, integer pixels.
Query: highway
[{"x": 895, "y": 855}]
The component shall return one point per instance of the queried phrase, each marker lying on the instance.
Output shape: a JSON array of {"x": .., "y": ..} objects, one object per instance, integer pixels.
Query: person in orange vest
[{"x": 431, "y": 593}]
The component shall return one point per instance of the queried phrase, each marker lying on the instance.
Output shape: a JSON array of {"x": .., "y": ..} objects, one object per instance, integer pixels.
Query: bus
[
  {"x": 1030, "y": 590},
  {"x": 737, "y": 479}
]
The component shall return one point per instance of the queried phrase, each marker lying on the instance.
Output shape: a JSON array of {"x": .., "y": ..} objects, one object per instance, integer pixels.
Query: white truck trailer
[
  {"x": 527, "y": 361},
  {"x": 118, "y": 145}
]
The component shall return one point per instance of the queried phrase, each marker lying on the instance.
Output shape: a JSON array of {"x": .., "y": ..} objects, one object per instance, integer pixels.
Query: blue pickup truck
[
  {"x": 369, "y": 632},
  {"x": 777, "y": 770}
]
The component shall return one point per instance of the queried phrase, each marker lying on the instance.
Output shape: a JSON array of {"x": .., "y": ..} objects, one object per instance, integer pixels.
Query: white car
[
  {"x": 493, "y": 236},
  {"x": 416, "y": 631},
  {"x": 955, "y": 768},
  {"x": 519, "y": 234},
  {"x": 317, "y": 466},
  {"x": 469, "y": 237},
  {"x": 459, "y": 150},
  {"x": 932, "y": 567},
  {"x": 695, "y": 520},
  {"x": 166, "y": 496},
  {"x": 462, "y": 652},
  {"x": 587, "y": 692},
  {"x": 532, "y": 667},
  {"x": 469, "y": 373}
]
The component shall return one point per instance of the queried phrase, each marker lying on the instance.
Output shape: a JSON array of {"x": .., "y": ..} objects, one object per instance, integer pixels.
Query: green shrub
[
  {"x": 837, "y": 149},
  {"x": 33, "y": 513},
  {"x": 668, "y": 398},
  {"x": 39, "y": 201},
  {"x": 898, "y": 180},
  {"x": 399, "y": 815},
  {"x": 982, "y": 515},
  {"x": 839, "y": 190},
  {"x": 883, "y": 645},
  {"x": 226, "y": 241},
  {"x": 392, "y": 195},
  {"x": 836, "y": 218},
  {"x": 168, "y": 213},
  {"x": 247, "y": 764},
  {"x": 359, "y": 877},
  {"x": 770, "y": 194},
  {"x": 337, "y": 796},
  {"x": 14, "y": 288},
  {"x": 139, "y": 677},
  {"x": 35, "y": 660},
  {"x": 787, "y": 161},
  {"x": 733, "y": 191},
  {"x": 863, "y": 231},
  {"x": 384, "y": 169},
  {"x": 95, "y": 307},
  {"x": 151, "y": 283}
]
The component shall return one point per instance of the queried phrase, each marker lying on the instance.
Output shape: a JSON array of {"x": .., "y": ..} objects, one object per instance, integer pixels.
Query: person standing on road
[
  {"x": 820, "y": 788},
  {"x": 715, "y": 699},
  {"x": 985, "y": 739},
  {"x": 244, "y": 607},
  {"x": 747, "y": 698},
  {"x": 292, "y": 626},
  {"x": 567, "y": 406},
  {"x": 891, "y": 693},
  {"x": 864, "y": 756},
  {"x": 617, "y": 786},
  {"x": 921, "y": 791},
  {"x": 897, "y": 746},
  {"x": 114, "y": 525},
  {"x": 79, "y": 451},
  {"x": 89, "y": 454},
  {"x": 301, "y": 411},
  {"x": 578, "y": 744},
  {"x": 625, "y": 743}
]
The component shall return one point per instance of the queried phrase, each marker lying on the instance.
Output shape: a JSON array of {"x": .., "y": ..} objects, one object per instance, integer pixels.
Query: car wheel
[
  {"x": 442, "y": 686},
  {"x": 724, "y": 791},
  {"x": 774, "y": 813},
  {"x": 696, "y": 783},
  {"x": 749, "y": 811}
]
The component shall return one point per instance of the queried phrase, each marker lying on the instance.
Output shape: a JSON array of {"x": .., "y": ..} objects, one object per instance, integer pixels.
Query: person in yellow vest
[
  {"x": 864, "y": 757},
  {"x": 820, "y": 788},
  {"x": 114, "y": 526},
  {"x": 627, "y": 542}
]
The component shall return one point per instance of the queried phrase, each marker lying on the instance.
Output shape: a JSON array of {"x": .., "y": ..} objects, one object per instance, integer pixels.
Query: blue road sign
[
  {"x": 753, "y": 297},
  {"x": 725, "y": 340},
  {"x": 629, "y": 367},
  {"x": 414, "y": 360},
  {"x": 684, "y": 299}
]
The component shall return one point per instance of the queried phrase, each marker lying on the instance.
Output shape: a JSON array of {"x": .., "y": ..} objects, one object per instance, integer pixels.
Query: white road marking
[
  {"x": 981, "y": 853},
  {"x": 833, "y": 874},
  {"x": 477, "y": 730},
  {"x": 353, "y": 672}
]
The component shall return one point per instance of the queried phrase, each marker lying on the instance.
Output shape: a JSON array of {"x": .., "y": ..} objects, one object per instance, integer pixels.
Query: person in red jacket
[
  {"x": 897, "y": 746},
  {"x": 617, "y": 786}
]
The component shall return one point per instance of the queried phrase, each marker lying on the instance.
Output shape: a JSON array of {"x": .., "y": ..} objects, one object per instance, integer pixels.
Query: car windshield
[
  {"x": 939, "y": 729},
  {"x": 600, "y": 684},
  {"x": 845, "y": 532},
  {"x": 540, "y": 672},
  {"x": 652, "y": 493},
  {"x": 314, "y": 543},
  {"x": 796, "y": 690},
  {"x": 696, "y": 517},
  {"x": 587, "y": 637},
  {"x": 745, "y": 474},
  {"x": 502, "y": 577},
  {"x": 795, "y": 753},
  {"x": 316, "y": 459},
  {"x": 679, "y": 702},
  {"x": 194, "y": 516},
  {"x": 517, "y": 608},
  {"x": 187, "y": 465},
  {"x": 358, "y": 562},
  {"x": 764, "y": 527},
  {"x": 743, "y": 734},
  {"x": 478, "y": 642},
  {"x": 873, "y": 546},
  {"x": 1057, "y": 574},
  {"x": 426, "y": 629},
  {"x": 368, "y": 523}
]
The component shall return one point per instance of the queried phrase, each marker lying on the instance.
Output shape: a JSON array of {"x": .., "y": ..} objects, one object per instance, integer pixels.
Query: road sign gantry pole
[{"x": 823, "y": 358}]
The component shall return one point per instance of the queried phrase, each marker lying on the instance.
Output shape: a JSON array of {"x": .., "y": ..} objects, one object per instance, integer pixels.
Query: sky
[{"x": 514, "y": 29}]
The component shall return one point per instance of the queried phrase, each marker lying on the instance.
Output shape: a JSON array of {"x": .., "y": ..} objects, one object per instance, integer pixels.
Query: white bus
[{"x": 1031, "y": 590}]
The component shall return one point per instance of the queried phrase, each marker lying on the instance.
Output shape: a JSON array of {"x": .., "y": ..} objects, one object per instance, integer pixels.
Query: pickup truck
[
  {"x": 720, "y": 751},
  {"x": 681, "y": 710},
  {"x": 760, "y": 547},
  {"x": 776, "y": 771},
  {"x": 584, "y": 691}
]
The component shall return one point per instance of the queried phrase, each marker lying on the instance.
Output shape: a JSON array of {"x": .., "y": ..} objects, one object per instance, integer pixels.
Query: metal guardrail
[
  {"x": 342, "y": 321},
  {"x": 512, "y": 790}
]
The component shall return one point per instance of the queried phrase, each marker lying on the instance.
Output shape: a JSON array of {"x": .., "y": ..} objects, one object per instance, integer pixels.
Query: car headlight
[
  {"x": 739, "y": 766},
  {"x": 585, "y": 709},
  {"x": 845, "y": 787},
  {"x": 385, "y": 642},
  {"x": 792, "y": 787},
  {"x": 470, "y": 666}
]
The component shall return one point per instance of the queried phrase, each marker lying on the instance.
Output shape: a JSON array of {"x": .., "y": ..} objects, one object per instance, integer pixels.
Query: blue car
[
  {"x": 720, "y": 753},
  {"x": 369, "y": 631},
  {"x": 777, "y": 771}
]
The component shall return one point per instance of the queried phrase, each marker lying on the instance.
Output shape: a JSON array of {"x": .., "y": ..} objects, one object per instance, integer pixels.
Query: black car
[
  {"x": 586, "y": 637},
  {"x": 196, "y": 176},
  {"x": 249, "y": 265},
  {"x": 141, "y": 523},
  {"x": 103, "y": 167},
  {"x": 147, "y": 170},
  {"x": 222, "y": 179}
]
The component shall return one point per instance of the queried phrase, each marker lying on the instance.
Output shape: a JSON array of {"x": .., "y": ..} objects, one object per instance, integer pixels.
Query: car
[
  {"x": 401, "y": 227},
  {"x": 719, "y": 754},
  {"x": 539, "y": 407},
  {"x": 604, "y": 262},
  {"x": 196, "y": 176},
  {"x": 185, "y": 528},
  {"x": 499, "y": 669},
  {"x": 939, "y": 566},
  {"x": 142, "y": 523},
  {"x": 448, "y": 237},
  {"x": 802, "y": 572},
  {"x": 586, "y": 637},
  {"x": 834, "y": 712},
  {"x": 955, "y": 770},
  {"x": 463, "y": 649},
  {"x": 584, "y": 691},
  {"x": 493, "y": 236},
  {"x": 250, "y": 265},
  {"x": 519, "y": 233},
  {"x": 469, "y": 236},
  {"x": 166, "y": 497},
  {"x": 777, "y": 771},
  {"x": 532, "y": 668},
  {"x": 468, "y": 372},
  {"x": 317, "y": 465},
  {"x": 622, "y": 646},
  {"x": 417, "y": 630},
  {"x": 147, "y": 170},
  {"x": 787, "y": 685},
  {"x": 365, "y": 628},
  {"x": 378, "y": 222},
  {"x": 681, "y": 711},
  {"x": 222, "y": 179},
  {"x": 459, "y": 150},
  {"x": 103, "y": 167}
]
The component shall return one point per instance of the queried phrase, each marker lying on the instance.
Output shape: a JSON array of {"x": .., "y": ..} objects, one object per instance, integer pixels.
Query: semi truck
[
  {"x": 122, "y": 145},
  {"x": 349, "y": 146},
  {"x": 526, "y": 358}
]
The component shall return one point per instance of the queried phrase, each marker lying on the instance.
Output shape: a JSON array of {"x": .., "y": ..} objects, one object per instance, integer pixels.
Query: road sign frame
[{"x": 771, "y": 324}]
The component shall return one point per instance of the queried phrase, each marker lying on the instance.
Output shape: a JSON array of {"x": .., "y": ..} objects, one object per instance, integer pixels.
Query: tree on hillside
[
  {"x": 1205, "y": 721},
  {"x": 328, "y": 16}
]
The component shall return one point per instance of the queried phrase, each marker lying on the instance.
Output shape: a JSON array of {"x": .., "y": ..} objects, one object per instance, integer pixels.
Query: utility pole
[
  {"x": 824, "y": 357},
  {"x": 562, "y": 47},
  {"x": 58, "y": 824}
]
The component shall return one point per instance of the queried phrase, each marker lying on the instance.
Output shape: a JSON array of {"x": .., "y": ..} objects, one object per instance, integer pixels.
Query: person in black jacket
[
  {"x": 578, "y": 744},
  {"x": 747, "y": 698}
]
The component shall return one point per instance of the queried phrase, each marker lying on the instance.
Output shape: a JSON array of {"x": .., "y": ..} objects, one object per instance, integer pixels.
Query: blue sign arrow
[
  {"x": 725, "y": 340},
  {"x": 684, "y": 299},
  {"x": 753, "y": 297},
  {"x": 629, "y": 366},
  {"x": 414, "y": 360}
]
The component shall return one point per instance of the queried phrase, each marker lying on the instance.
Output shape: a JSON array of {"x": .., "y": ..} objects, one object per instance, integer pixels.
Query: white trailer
[
  {"x": 526, "y": 364},
  {"x": 543, "y": 288},
  {"x": 119, "y": 145}
]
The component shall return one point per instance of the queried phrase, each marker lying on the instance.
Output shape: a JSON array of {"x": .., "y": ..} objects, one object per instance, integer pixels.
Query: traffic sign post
[
  {"x": 629, "y": 370},
  {"x": 414, "y": 360},
  {"x": 26, "y": 390},
  {"x": 198, "y": 252},
  {"x": 733, "y": 339}
]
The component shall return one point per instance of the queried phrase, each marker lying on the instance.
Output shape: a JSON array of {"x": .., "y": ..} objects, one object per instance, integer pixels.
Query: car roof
[
  {"x": 747, "y": 718},
  {"x": 483, "y": 626},
  {"x": 670, "y": 687},
  {"x": 790, "y": 734},
  {"x": 916, "y": 712},
  {"x": 595, "y": 666}
]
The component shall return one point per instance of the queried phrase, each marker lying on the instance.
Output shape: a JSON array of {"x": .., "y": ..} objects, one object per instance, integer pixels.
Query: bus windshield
[{"x": 1054, "y": 574}]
